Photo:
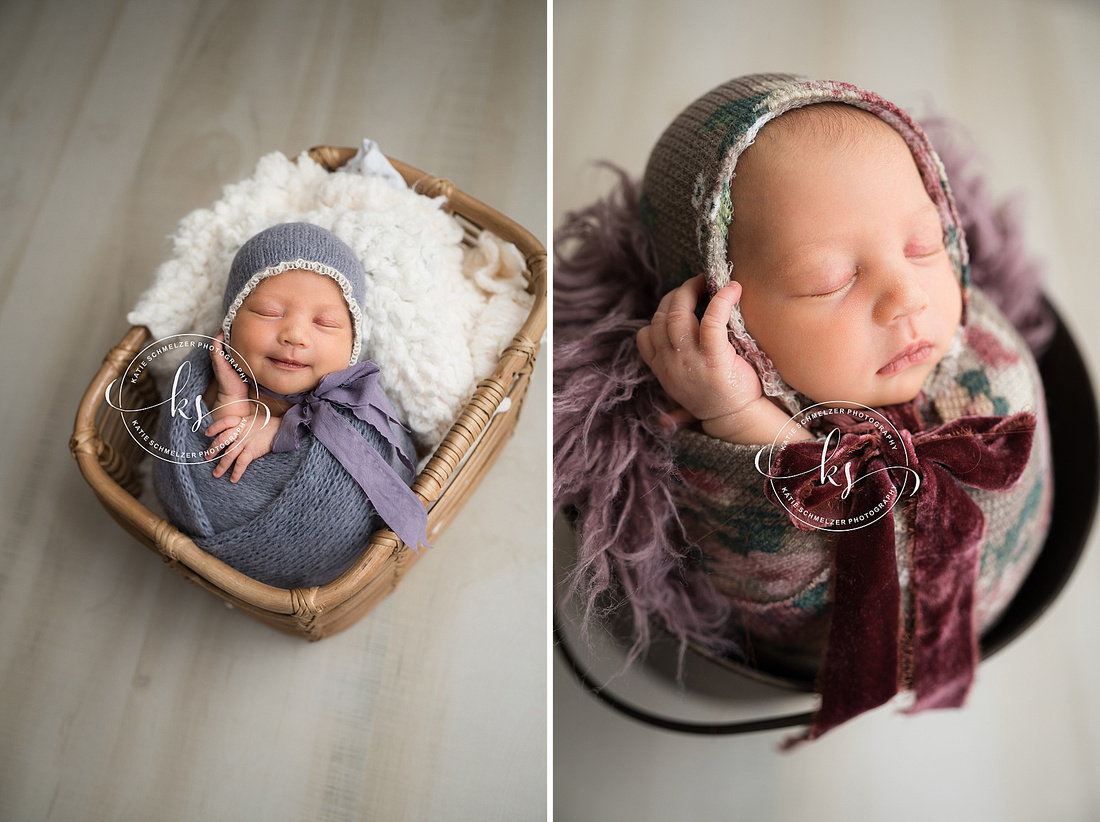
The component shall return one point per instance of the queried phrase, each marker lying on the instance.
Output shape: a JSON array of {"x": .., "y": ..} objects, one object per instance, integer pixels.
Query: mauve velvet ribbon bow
[
  {"x": 864, "y": 666},
  {"x": 356, "y": 388}
]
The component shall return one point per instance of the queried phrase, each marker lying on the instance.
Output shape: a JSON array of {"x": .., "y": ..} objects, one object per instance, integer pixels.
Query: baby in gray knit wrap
[{"x": 315, "y": 458}]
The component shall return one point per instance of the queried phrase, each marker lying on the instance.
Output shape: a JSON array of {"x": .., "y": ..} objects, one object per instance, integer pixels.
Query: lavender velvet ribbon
[
  {"x": 356, "y": 389},
  {"x": 869, "y": 657}
]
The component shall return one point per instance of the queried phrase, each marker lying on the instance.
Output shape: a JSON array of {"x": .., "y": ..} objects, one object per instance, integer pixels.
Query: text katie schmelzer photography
[
  {"x": 180, "y": 402},
  {"x": 814, "y": 481}
]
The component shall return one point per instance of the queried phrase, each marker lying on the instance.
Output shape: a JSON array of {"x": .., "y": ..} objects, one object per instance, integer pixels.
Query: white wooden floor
[
  {"x": 1023, "y": 76},
  {"x": 125, "y": 691}
]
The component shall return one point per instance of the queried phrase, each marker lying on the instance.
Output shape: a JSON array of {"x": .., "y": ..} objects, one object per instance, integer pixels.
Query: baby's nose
[
  {"x": 903, "y": 296},
  {"x": 292, "y": 333}
]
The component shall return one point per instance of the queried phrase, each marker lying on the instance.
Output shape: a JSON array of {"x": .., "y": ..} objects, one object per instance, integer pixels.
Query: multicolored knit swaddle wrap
[
  {"x": 796, "y": 604},
  {"x": 781, "y": 580}
]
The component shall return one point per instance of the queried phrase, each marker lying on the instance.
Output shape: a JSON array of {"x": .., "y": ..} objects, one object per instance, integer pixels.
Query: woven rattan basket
[{"x": 109, "y": 458}]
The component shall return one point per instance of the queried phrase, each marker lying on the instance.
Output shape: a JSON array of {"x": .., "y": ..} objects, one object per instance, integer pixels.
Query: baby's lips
[{"x": 912, "y": 354}]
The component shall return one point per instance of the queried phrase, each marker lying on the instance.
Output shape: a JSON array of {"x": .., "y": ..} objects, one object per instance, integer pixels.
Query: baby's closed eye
[
  {"x": 834, "y": 285},
  {"x": 264, "y": 308},
  {"x": 926, "y": 239},
  {"x": 924, "y": 248}
]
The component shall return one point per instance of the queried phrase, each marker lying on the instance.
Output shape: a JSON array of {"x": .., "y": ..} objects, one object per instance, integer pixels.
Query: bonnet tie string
[
  {"x": 864, "y": 666},
  {"x": 356, "y": 389}
]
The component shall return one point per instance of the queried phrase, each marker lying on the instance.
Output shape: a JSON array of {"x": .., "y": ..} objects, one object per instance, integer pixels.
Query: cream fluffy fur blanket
[{"x": 437, "y": 313}]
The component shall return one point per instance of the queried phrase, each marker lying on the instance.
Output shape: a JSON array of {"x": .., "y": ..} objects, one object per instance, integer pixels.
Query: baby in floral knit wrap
[{"x": 819, "y": 222}]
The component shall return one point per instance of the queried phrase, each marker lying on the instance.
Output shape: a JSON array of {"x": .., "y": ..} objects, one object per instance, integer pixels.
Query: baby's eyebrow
[
  {"x": 811, "y": 251},
  {"x": 261, "y": 299}
]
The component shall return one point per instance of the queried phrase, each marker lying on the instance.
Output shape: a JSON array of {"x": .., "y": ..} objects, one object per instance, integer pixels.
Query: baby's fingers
[
  {"x": 660, "y": 318},
  {"x": 713, "y": 328},
  {"x": 654, "y": 339},
  {"x": 217, "y": 352},
  {"x": 225, "y": 372},
  {"x": 226, "y": 438},
  {"x": 239, "y": 458},
  {"x": 675, "y": 419},
  {"x": 244, "y": 459},
  {"x": 683, "y": 328},
  {"x": 225, "y": 462},
  {"x": 224, "y": 424}
]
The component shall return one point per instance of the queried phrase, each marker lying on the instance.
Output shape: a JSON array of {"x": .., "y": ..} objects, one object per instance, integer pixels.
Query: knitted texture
[
  {"x": 612, "y": 457},
  {"x": 686, "y": 202},
  {"x": 294, "y": 519},
  {"x": 289, "y": 246},
  {"x": 777, "y": 578}
]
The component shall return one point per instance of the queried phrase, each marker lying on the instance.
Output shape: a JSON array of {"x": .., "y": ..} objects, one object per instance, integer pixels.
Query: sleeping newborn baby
[
  {"x": 819, "y": 220},
  {"x": 309, "y": 457}
]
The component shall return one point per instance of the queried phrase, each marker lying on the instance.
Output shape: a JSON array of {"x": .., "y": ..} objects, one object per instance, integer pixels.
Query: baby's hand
[
  {"x": 258, "y": 431},
  {"x": 694, "y": 360},
  {"x": 699, "y": 368},
  {"x": 232, "y": 393}
]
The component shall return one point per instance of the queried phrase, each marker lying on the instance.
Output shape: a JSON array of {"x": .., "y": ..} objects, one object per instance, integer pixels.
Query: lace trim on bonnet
[
  {"x": 720, "y": 213},
  {"x": 293, "y": 265}
]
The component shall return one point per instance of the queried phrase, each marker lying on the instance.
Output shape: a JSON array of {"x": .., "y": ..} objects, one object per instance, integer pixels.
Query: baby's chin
[
  {"x": 282, "y": 384},
  {"x": 906, "y": 386}
]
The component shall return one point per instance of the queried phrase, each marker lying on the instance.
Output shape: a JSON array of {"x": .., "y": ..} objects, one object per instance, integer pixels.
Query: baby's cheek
[
  {"x": 948, "y": 296},
  {"x": 810, "y": 371}
]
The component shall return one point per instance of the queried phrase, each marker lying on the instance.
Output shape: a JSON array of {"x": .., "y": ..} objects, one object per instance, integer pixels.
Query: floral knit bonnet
[
  {"x": 686, "y": 204},
  {"x": 290, "y": 246}
]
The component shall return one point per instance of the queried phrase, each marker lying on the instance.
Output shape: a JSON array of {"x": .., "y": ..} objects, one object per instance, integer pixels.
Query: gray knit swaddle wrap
[{"x": 295, "y": 519}]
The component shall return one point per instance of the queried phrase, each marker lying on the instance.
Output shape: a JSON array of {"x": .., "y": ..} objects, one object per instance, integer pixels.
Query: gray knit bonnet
[
  {"x": 686, "y": 204},
  {"x": 290, "y": 246}
]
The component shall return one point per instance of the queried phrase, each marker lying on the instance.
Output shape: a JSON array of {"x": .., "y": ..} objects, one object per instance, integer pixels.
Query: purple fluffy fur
[{"x": 613, "y": 458}]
